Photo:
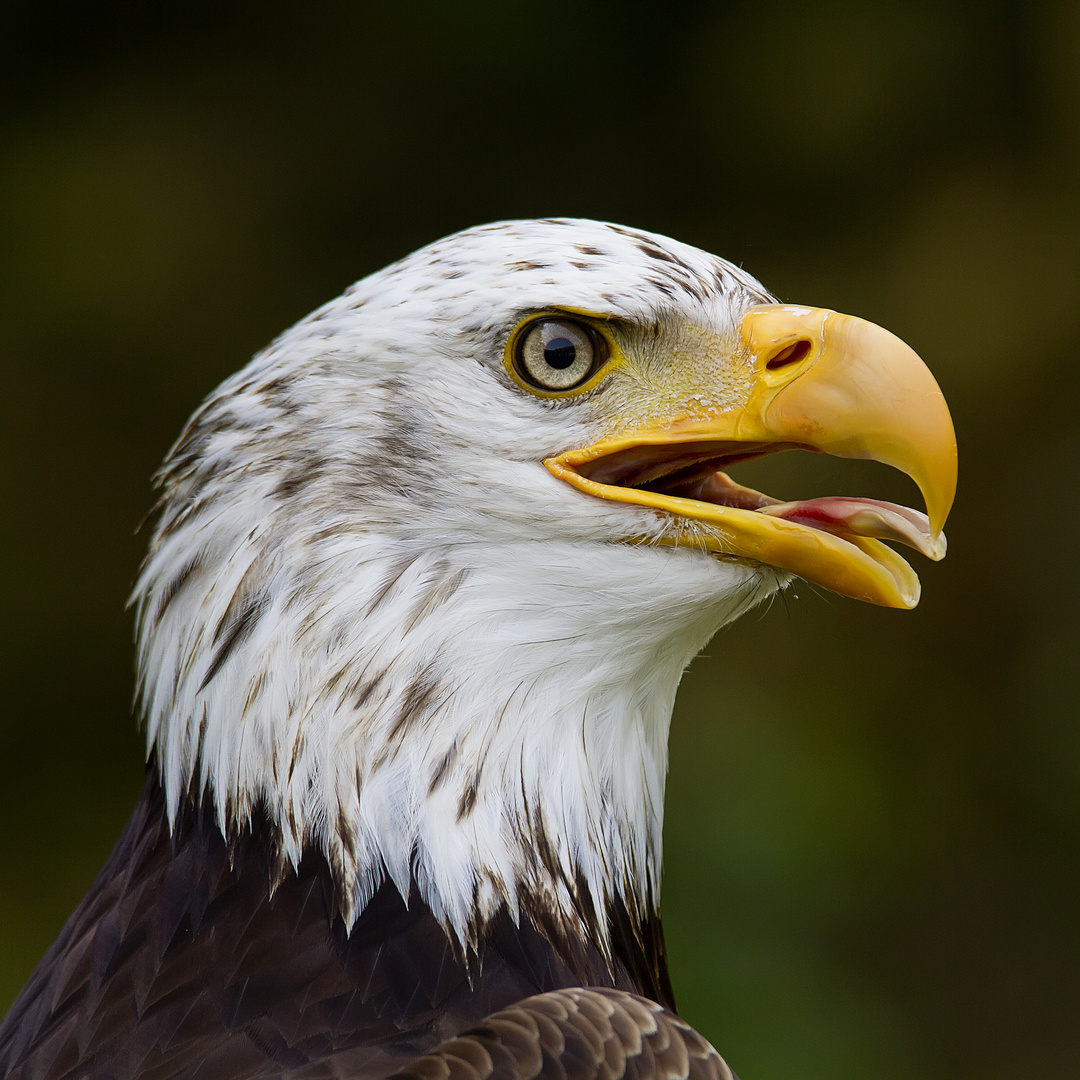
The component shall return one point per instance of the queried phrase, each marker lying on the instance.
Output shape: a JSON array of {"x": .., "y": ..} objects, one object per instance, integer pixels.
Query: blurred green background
[{"x": 874, "y": 816}]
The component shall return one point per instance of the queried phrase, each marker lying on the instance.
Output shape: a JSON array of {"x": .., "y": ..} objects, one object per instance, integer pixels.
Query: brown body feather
[{"x": 180, "y": 963}]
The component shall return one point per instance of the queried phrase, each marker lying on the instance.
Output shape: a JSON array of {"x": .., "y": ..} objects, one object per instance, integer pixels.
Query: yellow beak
[{"x": 821, "y": 381}]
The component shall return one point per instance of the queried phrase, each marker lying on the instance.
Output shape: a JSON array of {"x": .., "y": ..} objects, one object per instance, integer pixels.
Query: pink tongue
[
  {"x": 863, "y": 517},
  {"x": 835, "y": 514}
]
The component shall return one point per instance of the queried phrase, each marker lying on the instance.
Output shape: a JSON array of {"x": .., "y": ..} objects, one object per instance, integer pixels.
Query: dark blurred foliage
[{"x": 873, "y": 816}]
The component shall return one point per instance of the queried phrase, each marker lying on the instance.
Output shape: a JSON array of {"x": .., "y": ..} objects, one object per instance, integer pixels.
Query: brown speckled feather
[
  {"x": 179, "y": 963},
  {"x": 575, "y": 1034}
]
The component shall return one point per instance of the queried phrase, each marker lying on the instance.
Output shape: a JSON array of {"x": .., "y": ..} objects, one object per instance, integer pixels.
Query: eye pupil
[{"x": 560, "y": 353}]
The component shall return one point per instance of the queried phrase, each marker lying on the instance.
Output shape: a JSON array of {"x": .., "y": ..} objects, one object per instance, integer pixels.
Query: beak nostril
[{"x": 790, "y": 354}]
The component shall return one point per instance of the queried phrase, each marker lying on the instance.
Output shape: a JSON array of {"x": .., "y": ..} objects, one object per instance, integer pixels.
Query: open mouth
[
  {"x": 696, "y": 472},
  {"x": 834, "y": 541}
]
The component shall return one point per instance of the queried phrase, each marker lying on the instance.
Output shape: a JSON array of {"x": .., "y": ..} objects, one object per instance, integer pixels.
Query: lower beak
[{"x": 821, "y": 381}]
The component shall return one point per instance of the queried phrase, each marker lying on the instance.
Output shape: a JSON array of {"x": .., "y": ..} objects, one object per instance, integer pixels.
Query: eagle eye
[{"x": 558, "y": 354}]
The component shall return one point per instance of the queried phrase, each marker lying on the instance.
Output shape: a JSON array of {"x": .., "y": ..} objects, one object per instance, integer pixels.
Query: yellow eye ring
[{"x": 558, "y": 354}]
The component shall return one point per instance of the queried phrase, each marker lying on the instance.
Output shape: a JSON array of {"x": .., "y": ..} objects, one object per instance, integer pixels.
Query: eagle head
[{"x": 427, "y": 571}]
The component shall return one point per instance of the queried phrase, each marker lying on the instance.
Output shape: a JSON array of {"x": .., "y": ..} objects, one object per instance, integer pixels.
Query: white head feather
[{"x": 370, "y": 611}]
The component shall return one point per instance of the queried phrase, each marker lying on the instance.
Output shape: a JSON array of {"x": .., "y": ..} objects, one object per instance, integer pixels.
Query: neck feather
[{"x": 489, "y": 723}]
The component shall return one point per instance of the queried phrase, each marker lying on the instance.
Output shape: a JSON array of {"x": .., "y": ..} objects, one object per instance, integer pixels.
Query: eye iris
[{"x": 560, "y": 353}]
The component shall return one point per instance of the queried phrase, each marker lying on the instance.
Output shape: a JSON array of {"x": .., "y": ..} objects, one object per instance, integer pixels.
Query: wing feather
[{"x": 575, "y": 1034}]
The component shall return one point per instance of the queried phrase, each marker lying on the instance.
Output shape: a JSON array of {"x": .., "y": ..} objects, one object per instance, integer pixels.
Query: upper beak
[
  {"x": 846, "y": 387},
  {"x": 820, "y": 381}
]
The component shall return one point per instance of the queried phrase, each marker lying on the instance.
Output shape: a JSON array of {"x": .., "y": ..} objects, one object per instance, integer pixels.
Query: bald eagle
[{"x": 424, "y": 578}]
